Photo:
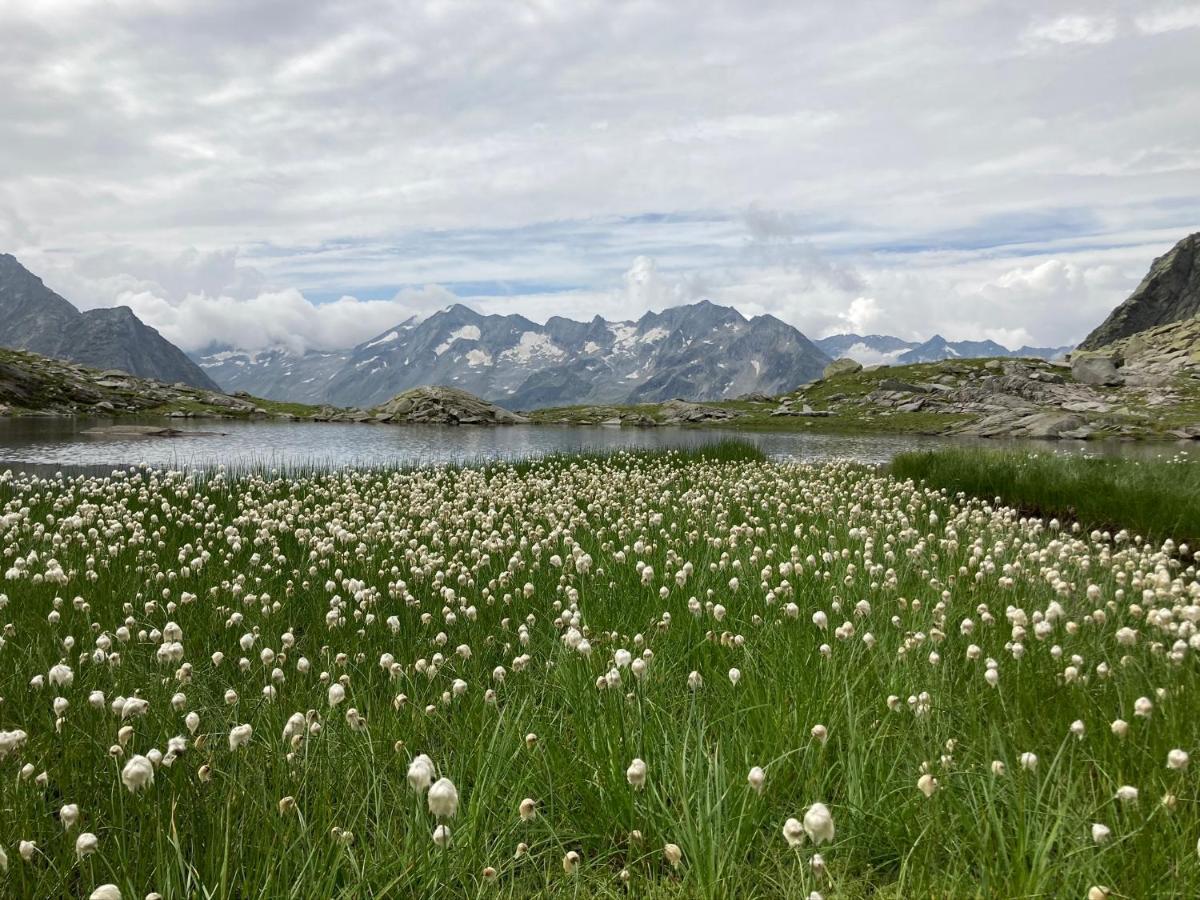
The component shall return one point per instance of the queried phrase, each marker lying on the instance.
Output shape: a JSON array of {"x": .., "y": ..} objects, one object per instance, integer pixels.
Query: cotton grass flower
[
  {"x": 927, "y": 785},
  {"x": 68, "y": 815},
  {"x": 793, "y": 832},
  {"x": 420, "y": 773},
  {"x": 1177, "y": 760},
  {"x": 570, "y": 862},
  {"x": 818, "y": 823},
  {"x": 443, "y": 799},
  {"x": 527, "y": 809},
  {"x": 636, "y": 774},
  {"x": 86, "y": 844},
  {"x": 239, "y": 736},
  {"x": 441, "y": 836},
  {"x": 757, "y": 779},
  {"x": 673, "y": 855},
  {"x": 106, "y": 892},
  {"x": 137, "y": 774},
  {"x": 1100, "y": 833}
]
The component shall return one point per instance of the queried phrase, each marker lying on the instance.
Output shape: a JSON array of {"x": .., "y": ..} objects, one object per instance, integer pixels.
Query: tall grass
[
  {"x": 1155, "y": 498},
  {"x": 900, "y": 573}
]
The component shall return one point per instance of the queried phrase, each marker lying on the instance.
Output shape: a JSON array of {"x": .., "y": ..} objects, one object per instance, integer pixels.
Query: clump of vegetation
[
  {"x": 676, "y": 675},
  {"x": 1157, "y": 498}
]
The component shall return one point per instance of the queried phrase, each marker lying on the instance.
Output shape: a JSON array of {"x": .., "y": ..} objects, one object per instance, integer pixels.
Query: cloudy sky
[{"x": 255, "y": 172}]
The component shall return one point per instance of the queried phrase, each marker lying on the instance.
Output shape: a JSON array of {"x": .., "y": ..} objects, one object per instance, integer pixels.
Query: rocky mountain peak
[
  {"x": 35, "y": 318},
  {"x": 1170, "y": 292}
]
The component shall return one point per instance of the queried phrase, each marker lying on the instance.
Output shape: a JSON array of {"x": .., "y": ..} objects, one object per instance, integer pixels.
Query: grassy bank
[
  {"x": 666, "y": 675},
  {"x": 1154, "y": 498}
]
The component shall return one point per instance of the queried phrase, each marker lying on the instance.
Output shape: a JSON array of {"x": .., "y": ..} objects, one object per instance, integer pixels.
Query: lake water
[{"x": 47, "y": 444}]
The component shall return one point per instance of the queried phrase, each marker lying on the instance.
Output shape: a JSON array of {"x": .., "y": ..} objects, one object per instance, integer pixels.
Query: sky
[{"x": 253, "y": 173}]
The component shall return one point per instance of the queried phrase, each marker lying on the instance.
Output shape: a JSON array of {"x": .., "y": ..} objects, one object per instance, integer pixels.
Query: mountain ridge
[
  {"x": 1170, "y": 292},
  {"x": 891, "y": 350},
  {"x": 35, "y": 318},
  {"x": 701, "y": 351}
]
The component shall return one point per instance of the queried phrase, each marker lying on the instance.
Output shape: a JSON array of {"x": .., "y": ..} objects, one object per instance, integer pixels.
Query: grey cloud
[{"x": 818, "y": 137}]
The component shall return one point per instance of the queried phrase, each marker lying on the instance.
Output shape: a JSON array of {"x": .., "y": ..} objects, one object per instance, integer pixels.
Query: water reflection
[{"x": 46, "y": 444}]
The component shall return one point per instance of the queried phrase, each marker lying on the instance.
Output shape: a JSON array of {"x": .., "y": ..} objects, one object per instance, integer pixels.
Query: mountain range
[
  {"x": 33, "y": 317},
  {"x": 886, "y": 349},
  {"x": 699, "y": 351}
]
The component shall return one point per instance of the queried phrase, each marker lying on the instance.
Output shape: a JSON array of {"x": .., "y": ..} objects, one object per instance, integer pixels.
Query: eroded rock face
[
  {"x": 441, "y": 406},
  {"x": 1170, "y": 292}
]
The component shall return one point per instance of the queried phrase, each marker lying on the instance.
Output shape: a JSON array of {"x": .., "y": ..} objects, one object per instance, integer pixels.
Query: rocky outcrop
[
  {"x": 1158, "y": 357},
  {"x": 683, "y": 412},
  {"x": 34, "y": 318},
  {"x": 1024, "y": 423},
  {"x": 1155, "y": 387},
  {"x": 1096, "y": 368},
  {"x": 35, "y": 384},
  {"x": 442, "y": 406},
  {"x": 842, "y": 366},
  {"x": 1170, "y": 292}
]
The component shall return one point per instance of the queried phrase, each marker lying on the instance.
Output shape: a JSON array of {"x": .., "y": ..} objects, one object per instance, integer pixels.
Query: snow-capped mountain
[
  {"x": 699, "y": 352},
  {"x": 874, "y": 349}
]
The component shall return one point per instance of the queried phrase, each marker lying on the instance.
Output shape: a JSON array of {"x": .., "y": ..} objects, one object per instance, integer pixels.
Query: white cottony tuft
[
  {"x": 420, "y": 773},
  {"x": 443, "y": 799},
  {"x": 818, "y": 823}
]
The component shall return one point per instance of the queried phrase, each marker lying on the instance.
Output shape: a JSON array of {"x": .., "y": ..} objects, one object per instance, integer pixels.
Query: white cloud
[
  {"x": 861, "y": 315},
  {"x": 1168, "y": 18},
  {"x": 279, "y": 319},
  {"x": 1073, "y": 29},
  {"x": 869, "y": 356}
]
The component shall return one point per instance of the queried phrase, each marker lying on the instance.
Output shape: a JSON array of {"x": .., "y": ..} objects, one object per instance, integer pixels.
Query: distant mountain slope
[
  {"x": 33, "y": 317},
  {"x": 882, "y": 348},
  {"x": 700, "y": 352},
  {"x": 1170, "y": 292},
  {"x": 299, "y": 378}
]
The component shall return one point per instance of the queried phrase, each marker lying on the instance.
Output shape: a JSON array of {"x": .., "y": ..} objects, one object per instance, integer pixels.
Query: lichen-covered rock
[
  {"x": 1095, "y": 368},
  {"x": 439, "y": 405},
  {"x": 683, "y": 412},
  {"x": 843, "y": 366}
]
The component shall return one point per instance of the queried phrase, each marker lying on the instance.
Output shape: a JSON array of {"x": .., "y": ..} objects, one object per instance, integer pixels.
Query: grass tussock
[{"x": 1156, "y": 498}]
